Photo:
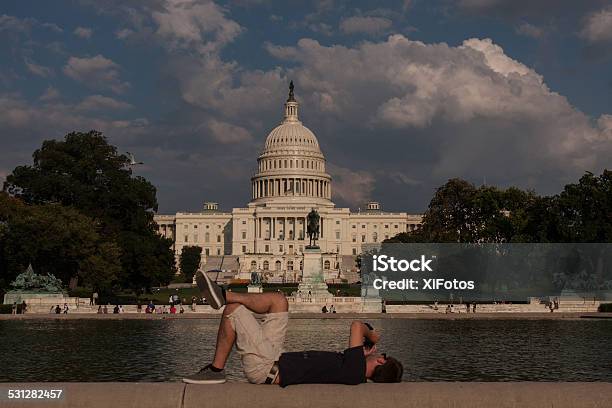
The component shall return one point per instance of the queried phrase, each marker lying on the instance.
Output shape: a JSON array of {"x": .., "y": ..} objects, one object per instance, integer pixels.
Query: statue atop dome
[{"x": 291, "y": 96}]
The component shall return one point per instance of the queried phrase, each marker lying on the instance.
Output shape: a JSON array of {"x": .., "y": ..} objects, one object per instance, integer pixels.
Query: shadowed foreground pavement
[
  {"x": 407, "y": 394},
  {"x": 351, "y": 316}
]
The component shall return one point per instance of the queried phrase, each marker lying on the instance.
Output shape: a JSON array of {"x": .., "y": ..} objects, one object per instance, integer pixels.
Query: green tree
[
  {"x": 460, "y": 212},
  {"x": 584, "y": 210},
  {"x": 85, "y": 172},
  {"x": 56, "y": 240},
  {"x": 190, "y": 261}
]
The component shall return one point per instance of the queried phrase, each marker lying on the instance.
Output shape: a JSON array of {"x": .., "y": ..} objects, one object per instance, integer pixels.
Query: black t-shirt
[{"x": 322, "y": 367}]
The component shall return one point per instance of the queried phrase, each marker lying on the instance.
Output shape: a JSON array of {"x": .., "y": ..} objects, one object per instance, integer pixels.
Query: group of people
[
  {"x": 450, "y": 308},
  {"x": 467, "y": 307},
  {"x": 152, "y": 309},
  {"x": 15, "y": 309},
  {"x": 116, "y": 310},
  {"x": 331, "y": 309},
  {"x": 59, "y": 310}
]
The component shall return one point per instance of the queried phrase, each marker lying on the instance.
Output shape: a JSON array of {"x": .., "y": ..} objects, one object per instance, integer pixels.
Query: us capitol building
[{"x": 269, "y": 235}]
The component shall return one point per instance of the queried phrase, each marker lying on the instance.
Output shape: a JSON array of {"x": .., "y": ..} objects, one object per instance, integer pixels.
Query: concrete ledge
[
  {"x": 408, "y": 394},
  {"x": 348, "y": 316}
]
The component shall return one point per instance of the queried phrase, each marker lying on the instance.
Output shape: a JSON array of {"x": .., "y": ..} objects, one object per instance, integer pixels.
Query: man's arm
[{"x": 359, "y": 331}]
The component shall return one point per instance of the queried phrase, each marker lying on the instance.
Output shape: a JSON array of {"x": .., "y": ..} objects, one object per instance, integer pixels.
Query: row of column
[
  {"x": 277, "y": 164},
  {"x": 276, "y": 187},
  {"x": 288, "y": 230}
]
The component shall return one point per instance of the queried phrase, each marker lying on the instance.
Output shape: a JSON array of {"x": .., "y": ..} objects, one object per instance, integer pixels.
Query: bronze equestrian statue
[{"x": 313, "y": 228}]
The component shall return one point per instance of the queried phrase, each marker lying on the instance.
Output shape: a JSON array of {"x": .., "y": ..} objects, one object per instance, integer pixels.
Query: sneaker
[
  {"x": 213, "y": 293},
  {"x": 206, "y": 376}
]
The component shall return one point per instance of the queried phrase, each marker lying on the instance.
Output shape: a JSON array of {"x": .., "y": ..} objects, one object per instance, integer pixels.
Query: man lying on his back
[{"x": 260, "y": 345}]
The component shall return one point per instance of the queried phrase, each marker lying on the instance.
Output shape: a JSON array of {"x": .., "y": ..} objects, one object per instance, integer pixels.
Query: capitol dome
[
  {"x": 292, "y": 134},
  {"x": 291, "y": 168}
]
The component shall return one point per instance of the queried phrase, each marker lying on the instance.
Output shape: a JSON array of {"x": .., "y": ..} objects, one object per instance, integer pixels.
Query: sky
[{"x": 402, "y": 95}]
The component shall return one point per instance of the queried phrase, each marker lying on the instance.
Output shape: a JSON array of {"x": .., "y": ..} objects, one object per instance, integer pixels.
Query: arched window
[
  {"x": 326, "y": 265},
  {"x": 266, "y": 265},
  {"x": 253, "y": 265},
  {"x": 277, "y": 265},
  {"x": 207, "y": 237}
]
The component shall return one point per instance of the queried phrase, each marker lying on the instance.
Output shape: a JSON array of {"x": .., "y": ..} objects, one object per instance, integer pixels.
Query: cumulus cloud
[
  {"x": 474, "y": 110},
  {"x": 350, "y": 187},
  {"x": 597, "y": 26},
  {"x": 430, "y": 112},
  {"x": 226, "y": 133},
  {"x": 226, "y": 89},
  {"x": 100, "y": 102},
  {"x": 56, "y": 119},
  {"x": 186, "y": 23},
  {"x": 96, "y": 72},
  {"x": 605, "y": 124},
  {"x": 83, "y": 32},
  {"x": 29, "y": 123},
  {"x": 365, "y": 24}
]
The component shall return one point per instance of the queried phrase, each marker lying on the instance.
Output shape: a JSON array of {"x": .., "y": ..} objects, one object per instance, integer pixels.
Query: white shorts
[{"x": 259, "y": 344}]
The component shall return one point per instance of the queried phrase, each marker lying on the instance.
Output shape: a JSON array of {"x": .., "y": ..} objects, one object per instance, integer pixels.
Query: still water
[{"x": 431, "y": 350}]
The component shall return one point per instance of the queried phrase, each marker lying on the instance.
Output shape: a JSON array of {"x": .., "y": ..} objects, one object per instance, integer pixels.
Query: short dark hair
[{"x": 389, "y": 372}]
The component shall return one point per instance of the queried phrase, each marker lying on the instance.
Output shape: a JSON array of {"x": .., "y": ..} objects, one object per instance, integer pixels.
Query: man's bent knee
[
  {"x": 229, "y": 308},
  {"x": 279, "y": 303}
]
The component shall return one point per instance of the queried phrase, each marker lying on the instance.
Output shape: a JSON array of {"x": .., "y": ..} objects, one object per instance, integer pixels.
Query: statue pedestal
[
  {"x": 313, "y": 284},
  {"x": 254, "y": 289}
]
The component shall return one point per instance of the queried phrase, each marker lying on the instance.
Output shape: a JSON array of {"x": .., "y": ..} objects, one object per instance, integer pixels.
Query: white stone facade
[{"x": 269, "y": 235}]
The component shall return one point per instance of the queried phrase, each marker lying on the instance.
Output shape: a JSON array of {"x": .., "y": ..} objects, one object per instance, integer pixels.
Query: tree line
[{"x": 461, "y": 212}]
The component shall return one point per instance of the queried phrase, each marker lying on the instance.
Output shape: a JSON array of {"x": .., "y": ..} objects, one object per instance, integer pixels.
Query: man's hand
[
  {"x": 368, "y": 351},
  {"x": 359, "y": 331}
]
